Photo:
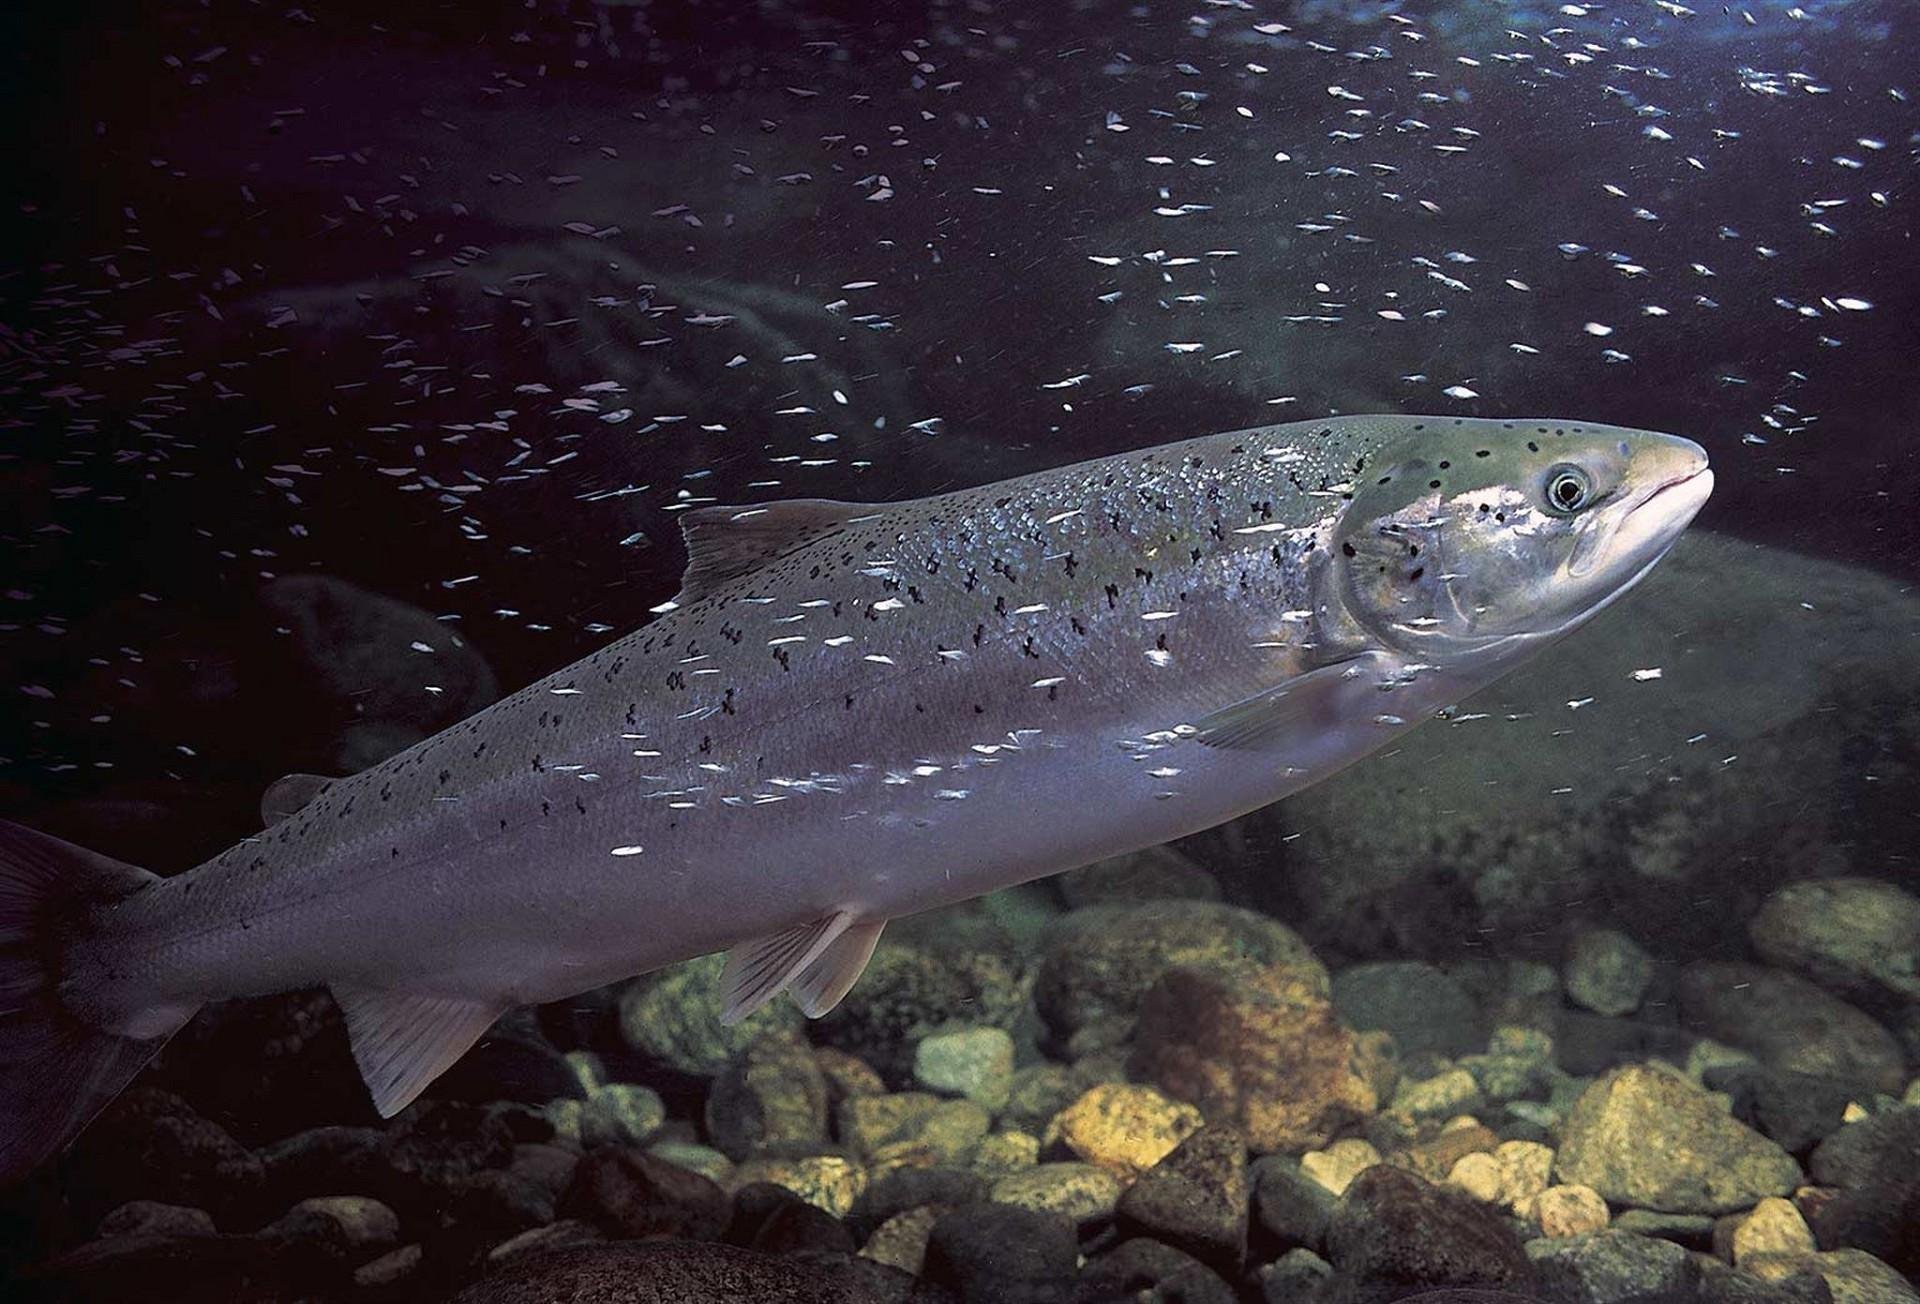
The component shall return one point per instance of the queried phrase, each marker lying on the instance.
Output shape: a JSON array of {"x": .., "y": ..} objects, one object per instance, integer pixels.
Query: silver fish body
[{"x": 859, "y": 711}]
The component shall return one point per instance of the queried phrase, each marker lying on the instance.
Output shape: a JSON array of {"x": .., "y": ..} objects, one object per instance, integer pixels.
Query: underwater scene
[{"x": 960, "y": 652}]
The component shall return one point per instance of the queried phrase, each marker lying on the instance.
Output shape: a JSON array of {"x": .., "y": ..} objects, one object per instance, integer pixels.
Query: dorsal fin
[
  {"x": 724, "y": 543},
  {"x": 289, "y": 793}
]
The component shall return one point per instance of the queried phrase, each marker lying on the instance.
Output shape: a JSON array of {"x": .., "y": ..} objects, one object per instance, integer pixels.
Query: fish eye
[{"x": 1568, "y": 489}]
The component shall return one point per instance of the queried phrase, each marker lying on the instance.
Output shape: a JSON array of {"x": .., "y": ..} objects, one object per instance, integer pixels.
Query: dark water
[{"x": 460, "y": 304}]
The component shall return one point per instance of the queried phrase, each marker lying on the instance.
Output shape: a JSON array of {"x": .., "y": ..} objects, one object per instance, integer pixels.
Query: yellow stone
[{"x": 1124, "y": 1127}]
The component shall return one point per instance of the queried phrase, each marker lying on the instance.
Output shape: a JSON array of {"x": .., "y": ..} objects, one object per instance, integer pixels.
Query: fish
[{"x": 852, "y": 712}]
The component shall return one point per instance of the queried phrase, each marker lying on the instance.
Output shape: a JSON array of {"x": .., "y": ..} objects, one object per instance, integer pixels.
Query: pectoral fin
[
  {"x": 403, "y": 1041},
  {"x": 757, "y": 971},
  {"x": 1319, "y": 699},
  {"x": 822, "y": 984}
]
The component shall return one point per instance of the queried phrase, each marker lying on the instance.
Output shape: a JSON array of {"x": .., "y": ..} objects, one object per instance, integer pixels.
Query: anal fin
[
  {"x": 822, "y": 985},
  {"x": 403, "y": 1041},
  {"x": 756, "y": 971}
]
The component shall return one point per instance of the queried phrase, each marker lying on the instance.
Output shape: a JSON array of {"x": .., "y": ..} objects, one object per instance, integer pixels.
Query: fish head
[{"x": 1483, "y": 540}]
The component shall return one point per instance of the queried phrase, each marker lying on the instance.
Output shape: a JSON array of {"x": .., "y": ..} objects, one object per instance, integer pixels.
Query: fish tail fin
[{"x": 57, "y": 1068}]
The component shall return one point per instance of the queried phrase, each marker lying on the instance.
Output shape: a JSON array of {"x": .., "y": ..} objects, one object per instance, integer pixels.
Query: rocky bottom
[{"x": 1157, "y": 1100}]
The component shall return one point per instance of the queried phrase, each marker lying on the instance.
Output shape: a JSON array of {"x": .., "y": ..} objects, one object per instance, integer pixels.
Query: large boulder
[{"x": 1647, "y": 1137}]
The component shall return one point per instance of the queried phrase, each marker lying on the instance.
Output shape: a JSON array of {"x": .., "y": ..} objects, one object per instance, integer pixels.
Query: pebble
[
  {"x": 829, "y": 1182},
  {"x": 673, "y": 1016},
  {"x": 1645, "y": 1136},
  {"x": 901, "y": 1240},
  {"x": 771, "y": 1094},
  {"x": 357, "y": 1222},
  {"x": 1196, "y": 1199},
  {"x": 1335, "y": 1167},
  {"x": 1452, "y": 1092},
  {"x": 1722, "y": 1284},
  {"x": 1291, "y": 1208},
  {"x": 774, "y": 1220},
  {"x": 155, "y": 1218},
  {"x": 1124, "y": 1127},
  {"x": 1613, "y": 1267},
  {"x": 1789, "y": 1023},
  {"x": 704, "y": 1160},
  {"x": 1774, "y": 1227},
  {"x": 633, "y": 1194},
  {"x": 1392, "y": 1228},
  {"x": 1294, "y": 1278},
  {"x": 1606, "y": 971},
  {"x": 1259, "y": 1047},
  {"x": 681, "y": 1272},
  {"x": 621, "y": 1113},
  {"x": 1002, "y": 1153},
  {"x": 1038, "y": 1092},
  {"x": 1143, "y": 1269},
  {"x": 944, "y": 1131},
  {"x": 976, "y": 1063},
  {"x": 1511, "y": 1176},
  {"x": 914, "y": 988},
  {"x": 909, "y": 1188},
  {"x": 1858, "y": 936},
  {"x": 390, "y": 1269},
  {"x": 1086, "y": 1193},
  {"x": 847, "y": 1075},
  {"x": 1101, "y": 961},
  {"x": 1568, "y": 1210},
  {"x": 1424, "y": 1007},
  {"x": 1000, "y": 1251}
]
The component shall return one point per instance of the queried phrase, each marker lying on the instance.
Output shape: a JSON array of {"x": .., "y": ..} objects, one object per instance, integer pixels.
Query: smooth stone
[
  {"x": 1003, "y": 1153},
  {"x": 1721, "y": 1284},
  {"x": 1857, "y": 936},
  {"x": 1296, "y": 1277},
  {"x": 1606, "y": 971},
  {"x": 901, "y": 1241},
  {"x": 673, "y": 1016},
  {"x": 1393, "y": 1231},
  {"x": 948, "y": 1131},
  {"x": 621, "y": 1113},
  {"x": 1424, "y": 1007},
  {"x": 1289, "y": 1207},
  {"x": 704, "y": 1160},
  {"x": 1569, "y": 1210},
  {"x": 390, "y": 1269},
  {"x": 1086, "y": 1193},
  {"x": 908, "y": 1188},
  {"x": 1443, "y": 1095},
  {"x": 991, "y": 1251},
  {"x": 156, "y": 1218},
  {"x": 633, "y": 1194},
  {"x": 1335, "y": 1167},
  {"x": 563, "y": 1234},
  {"x": 547, "y": 1166},
  {"x": 976, "y": 1063},
  {"x": 1875, "y": 1163},
  {"x": 354, "y": 1221},
  {"x": 774, "y": 1220},
  {"x": 830, "y": 1182},
  {"x": 912, "y": 989},
  {"x": 1195, "y": 1200},
  {"x": 1038, "y": 1092},
  {"x": 1101, "y": 961},
  {"x": 1789, "y": 1023},
  {"x": 151, "y": 1145},
  {"x": 1151, "y": 874},
  {"x": 683, "y": 1272},
  {"x": 847, "y": 1075},
  {"x": 1797, "y": 1110},
  {"x": 1857, "y": 1277},
  {"x": 1693, "y": 1230},
  {"x": 1614, "y": 1267},
  {"x": 771, "y": 1094},
  {"x": 1143, "y": 1269},
  {"x": 1647, "y": 1137},
  {"x": 1774, "y": 1227},
  {"x": 1259, "y": 1047},
  {"x": 1124, "y": 1127}
]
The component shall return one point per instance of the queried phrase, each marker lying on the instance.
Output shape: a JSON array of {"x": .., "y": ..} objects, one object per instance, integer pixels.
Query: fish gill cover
[{"x": 357, "y": 360}]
